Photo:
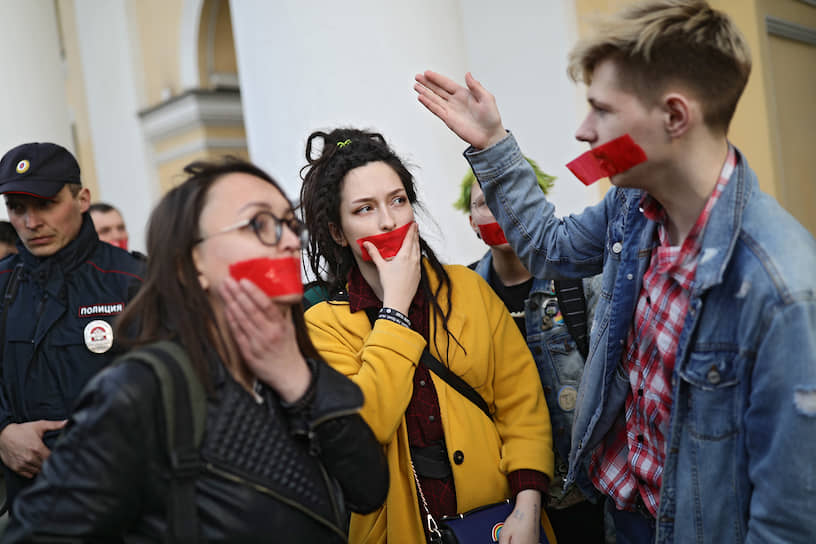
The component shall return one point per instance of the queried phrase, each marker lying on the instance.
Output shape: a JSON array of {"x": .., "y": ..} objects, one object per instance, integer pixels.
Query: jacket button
[
  {"x": 617, "y": 247},
  {"x": 458, "y": 457},
  {"x": 713, "y": 376}
]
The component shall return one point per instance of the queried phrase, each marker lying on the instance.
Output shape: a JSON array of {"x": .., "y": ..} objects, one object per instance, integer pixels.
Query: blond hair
[{"x": 680, "y": 42}]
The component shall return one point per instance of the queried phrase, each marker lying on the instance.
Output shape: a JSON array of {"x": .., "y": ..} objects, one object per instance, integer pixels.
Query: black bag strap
[
  {"x": 434, "y": 365},
  {"x": 462, "y": 387},
  {"x": 185, "y": 411},
  {"x": 573, "y": 306},
  {"x": 8, "y": 298}
]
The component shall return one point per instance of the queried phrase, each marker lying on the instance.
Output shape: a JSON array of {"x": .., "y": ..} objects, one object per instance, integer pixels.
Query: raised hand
[
  {"x": 399, "y": 276},
  {"x": 263, "y": 330},
  {"x": 470, "y": 112},
  {"x": 22, "y": 448}
]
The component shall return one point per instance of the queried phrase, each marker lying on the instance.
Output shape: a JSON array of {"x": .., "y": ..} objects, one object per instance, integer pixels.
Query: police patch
[
  {"x": 98, "y": 336},
  {"x": 95, "y": 310}
]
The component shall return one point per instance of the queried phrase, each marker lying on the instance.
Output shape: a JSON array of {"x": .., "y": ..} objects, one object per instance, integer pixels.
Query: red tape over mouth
[
  {"x": 613, "y": 157},
  {"x": 492, "y": 234},
  {"x": 387, "y": 243},
  {"x": 275, "y": 277},
  {"x": 122, "y": 244}
]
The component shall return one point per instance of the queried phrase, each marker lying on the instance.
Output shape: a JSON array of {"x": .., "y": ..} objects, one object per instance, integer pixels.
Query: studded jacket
[
  {"x": 268, "y": 473},
  {"x": 560, "y": 366}
]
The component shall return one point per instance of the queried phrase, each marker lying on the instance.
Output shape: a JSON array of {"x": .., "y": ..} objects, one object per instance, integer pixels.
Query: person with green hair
[{"x": 553, "y": 316}]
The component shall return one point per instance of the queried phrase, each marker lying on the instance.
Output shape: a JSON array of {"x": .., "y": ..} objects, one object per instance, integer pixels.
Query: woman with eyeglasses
[
  {"x": 392, "y": 305},
  {"x": 283, "y": 453}
]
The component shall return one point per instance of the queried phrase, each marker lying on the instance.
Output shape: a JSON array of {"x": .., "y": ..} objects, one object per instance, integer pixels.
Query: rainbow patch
[
  {"x": 497, "y": 531},
  {"x": 558, "y": 318}
]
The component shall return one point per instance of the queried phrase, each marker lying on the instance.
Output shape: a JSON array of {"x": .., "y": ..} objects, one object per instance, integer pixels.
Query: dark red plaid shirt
[
  {"x": 629, "y": 461},
  {"x": 422, "y": 417}
]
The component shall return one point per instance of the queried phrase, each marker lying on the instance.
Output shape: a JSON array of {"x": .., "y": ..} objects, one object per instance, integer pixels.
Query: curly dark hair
[{"x": 330, "y": 156}]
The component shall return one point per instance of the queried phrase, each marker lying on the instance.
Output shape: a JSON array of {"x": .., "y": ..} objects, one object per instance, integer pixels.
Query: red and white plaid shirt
[{"x": 629, "y": 461}]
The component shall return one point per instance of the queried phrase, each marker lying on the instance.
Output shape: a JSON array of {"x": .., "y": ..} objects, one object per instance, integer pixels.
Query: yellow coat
[{"x": 497, "y": 364}]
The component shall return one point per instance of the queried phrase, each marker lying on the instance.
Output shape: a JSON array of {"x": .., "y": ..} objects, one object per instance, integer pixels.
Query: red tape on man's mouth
[
  {"x": 387, "y": 243},
  {"x": 492, "y": 234},
  {"x": 275, "y": 277},
  {"x": 122, "y": 244},
  {"x": 613, "y": 157}
]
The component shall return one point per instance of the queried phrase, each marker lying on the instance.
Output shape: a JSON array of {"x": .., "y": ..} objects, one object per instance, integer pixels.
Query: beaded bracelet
[{"x": 394, "y": 315}]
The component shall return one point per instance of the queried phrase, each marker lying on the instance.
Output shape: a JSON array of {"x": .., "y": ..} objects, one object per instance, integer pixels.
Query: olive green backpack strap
[{"x": 185, "y": 410}]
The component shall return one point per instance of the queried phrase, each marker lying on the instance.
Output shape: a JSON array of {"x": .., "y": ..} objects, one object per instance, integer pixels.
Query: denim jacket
[
  {"x": 741, "y": 448},
  {"x": 560, "y": 366}
]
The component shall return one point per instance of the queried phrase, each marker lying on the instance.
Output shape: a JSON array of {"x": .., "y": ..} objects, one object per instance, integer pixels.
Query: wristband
[{"x": 394, "y": 315}]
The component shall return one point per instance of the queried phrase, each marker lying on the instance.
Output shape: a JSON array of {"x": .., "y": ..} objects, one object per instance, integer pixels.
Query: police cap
[{"x": 37, "y": 169}]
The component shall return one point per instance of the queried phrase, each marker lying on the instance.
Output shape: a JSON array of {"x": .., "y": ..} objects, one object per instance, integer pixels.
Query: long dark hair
[
  {"x": 171, "y": 305},
  {"x": 330, "y": 156}
]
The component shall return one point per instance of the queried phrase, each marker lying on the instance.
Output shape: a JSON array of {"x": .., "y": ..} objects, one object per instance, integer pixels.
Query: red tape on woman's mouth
[
  {"x": 387, "y": 243},
  {"x": 275, "y": 277},
  {"x": 613, "y": 157},
  {"x": 492, "y": 234}
]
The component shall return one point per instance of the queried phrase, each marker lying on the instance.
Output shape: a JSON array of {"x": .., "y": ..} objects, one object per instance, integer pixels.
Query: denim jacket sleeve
[
  {"x": 550, "y": 247},
  {"x": 780, "y": 426}
]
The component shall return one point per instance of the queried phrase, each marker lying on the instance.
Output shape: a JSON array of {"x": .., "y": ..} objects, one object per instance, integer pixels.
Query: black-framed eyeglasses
[{"x": 267, "y": 227}]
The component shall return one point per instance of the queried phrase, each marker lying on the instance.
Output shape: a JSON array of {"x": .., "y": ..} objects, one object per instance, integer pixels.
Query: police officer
[{"x": 60, "y": 295}]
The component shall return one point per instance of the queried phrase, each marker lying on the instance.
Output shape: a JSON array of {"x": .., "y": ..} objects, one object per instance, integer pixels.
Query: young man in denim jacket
[
  {"x": 696, "y": 413},
  {"x": 554, "y": 318}
]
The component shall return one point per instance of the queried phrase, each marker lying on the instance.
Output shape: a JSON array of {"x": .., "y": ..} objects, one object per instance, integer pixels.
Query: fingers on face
[
  {"x": 374, "y": 253},
  {"x": 413, "y": 238},
  {"x": 245, "y": 296}
]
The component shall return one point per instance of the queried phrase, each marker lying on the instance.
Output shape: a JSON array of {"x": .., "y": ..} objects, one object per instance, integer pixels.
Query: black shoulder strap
[
  {"x": 8, "y": 298},
  {"x": 572, "y": 303},
  {"x": 185, "y": 410},
  {"x": 9, "y": 295},
  {"x": 462, "y": 387},
  {"x": 434, "y": 365}
]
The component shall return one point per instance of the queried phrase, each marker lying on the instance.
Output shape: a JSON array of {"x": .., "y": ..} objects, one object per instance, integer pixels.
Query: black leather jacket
[{"x": 264, "y": 466}]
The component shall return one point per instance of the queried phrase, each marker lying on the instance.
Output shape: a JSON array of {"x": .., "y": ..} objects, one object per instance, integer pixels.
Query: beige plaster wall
[{"x": 75, "y": 95}]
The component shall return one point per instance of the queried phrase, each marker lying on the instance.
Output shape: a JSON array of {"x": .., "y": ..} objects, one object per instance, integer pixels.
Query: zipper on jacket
[{"x": 265, "y": 490}]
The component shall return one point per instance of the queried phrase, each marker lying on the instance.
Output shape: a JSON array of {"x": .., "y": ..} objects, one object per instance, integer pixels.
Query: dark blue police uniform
[{"x": 50, "y": 352}]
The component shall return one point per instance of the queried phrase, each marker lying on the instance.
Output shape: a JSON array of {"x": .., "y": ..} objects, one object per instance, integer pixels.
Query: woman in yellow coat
[{"x": 437, "y": 441}]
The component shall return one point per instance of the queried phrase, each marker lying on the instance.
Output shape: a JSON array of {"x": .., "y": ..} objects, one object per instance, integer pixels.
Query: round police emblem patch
[
  {"x": 98, "y": 336},
  {"x": 567, "y": 396},
  {"x": 23, "y": 166}
]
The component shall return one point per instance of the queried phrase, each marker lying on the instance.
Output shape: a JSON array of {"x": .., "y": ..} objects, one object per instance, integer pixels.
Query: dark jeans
[
  {"x": 632, "y": 527},
  {"x": 580, "y": 523}
]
